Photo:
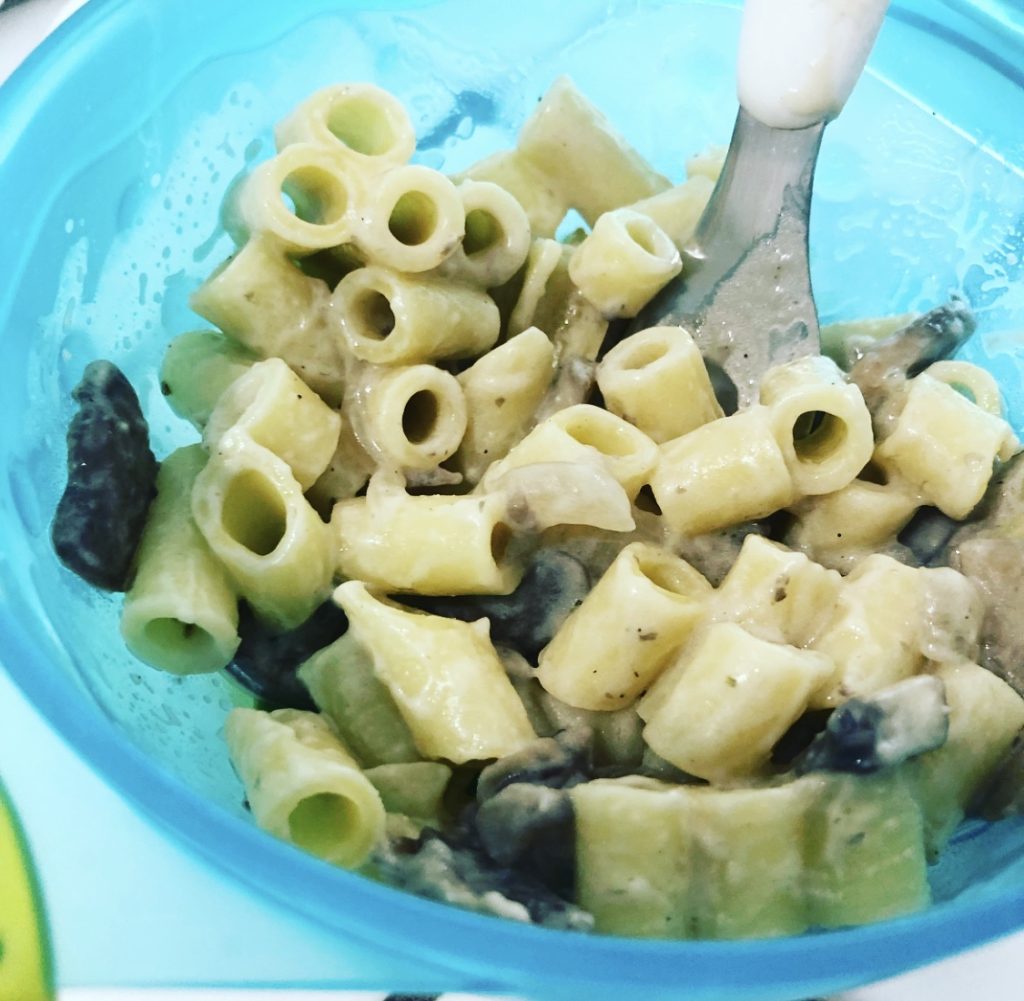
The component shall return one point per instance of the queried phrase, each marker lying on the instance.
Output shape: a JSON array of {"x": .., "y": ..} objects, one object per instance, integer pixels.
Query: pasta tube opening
[
  {"x": 415, "y": 417},
  {"x": 372, "y": 316},
  {"x": 302, "y": 196},
  {"x": 185, "y": 642},
  {"x": 413, "y": 219},
  {"x": 668, "y": 573},
  {"x": 364, "y": 124},
  {"x": 315, "y": 195},
  {"x": 818, "y": 436},
  {"x": 497, "y": 238},
  {"x": 644, "y": 233},
  {"x": 419, "y": 418},
  {"x": 642, "y": 354},
  {"x": 254, "y": 514},
  {"x": 483, "y": 232},
  {"x": 821, "y": 424},
  {"x": 970, "y": 381},
  {"x": 314, "y": 821},
  {"x": 501, "y": 537}
]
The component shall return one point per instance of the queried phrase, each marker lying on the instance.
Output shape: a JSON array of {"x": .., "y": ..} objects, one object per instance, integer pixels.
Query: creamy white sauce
[{"x": 800, "y": 59}]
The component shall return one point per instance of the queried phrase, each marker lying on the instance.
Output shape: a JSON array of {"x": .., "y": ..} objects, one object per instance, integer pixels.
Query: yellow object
[{"x": 26, "y": 972}]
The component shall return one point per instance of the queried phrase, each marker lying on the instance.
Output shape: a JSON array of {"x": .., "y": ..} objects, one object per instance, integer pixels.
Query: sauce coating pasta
[{"x": 564, "y": 641}]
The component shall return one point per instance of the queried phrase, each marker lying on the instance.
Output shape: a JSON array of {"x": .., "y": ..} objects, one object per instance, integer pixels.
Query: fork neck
[{"x": 766, "y": 170}]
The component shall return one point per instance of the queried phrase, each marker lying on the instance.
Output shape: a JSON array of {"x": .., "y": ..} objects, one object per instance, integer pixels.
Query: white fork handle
[{"x": 800, "y": 59}]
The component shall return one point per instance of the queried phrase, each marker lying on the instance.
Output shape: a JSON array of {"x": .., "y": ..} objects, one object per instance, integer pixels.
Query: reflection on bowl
[{"x": 121, "y": 138}]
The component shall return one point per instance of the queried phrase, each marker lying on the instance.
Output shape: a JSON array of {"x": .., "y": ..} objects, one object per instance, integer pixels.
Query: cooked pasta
[{"x": 549, "y": 634}]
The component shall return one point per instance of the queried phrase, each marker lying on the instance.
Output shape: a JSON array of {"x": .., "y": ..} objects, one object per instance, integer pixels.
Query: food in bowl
[{"x": 606, "y": 656}]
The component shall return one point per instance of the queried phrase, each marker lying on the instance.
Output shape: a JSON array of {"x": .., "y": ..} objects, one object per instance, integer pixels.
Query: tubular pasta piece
[
  {"x": 541, "y": 495},
  {"x": 444, "y": 676},
  {"x": 363, "y": 125},
  {"x": 946, "y": 446},
  {"x": 615, "y": 644},
  {"x": 656, "y": 379},
  {"x": 430, "y": 544},
  {"x": 412, "y": 220},
  {"x": 985, "y": 718},
  {"x": 678, "y": 210},
  {"x": 820, "y": 421},
  {"x": 723, "y": 473},
  {"x": 393, "y": 319},
  {"x": 584, "y": 159},
  {"x": 623, "y": 263},
  {"x": 585, "y": 434},
  {"x": 275, "y": 408},
  {"x": 262, "y": 300},
  {"x": 197, "y": 367},
  {"x": 181, "y": 612},
  {"x": 320, "y": 193},
  {"x": 251, "y": 511},
  {"x": 303, "y": 785},
  {"x": 873, "y": 630},
  {"x": 841, "y": 528},
  {"x": 776, "y": 594},
  {"x": 529, "y": 185},
  {"x": 342, "y": 683},
  {"x": 414, "y": 415},
  {"x": 497, "y": 238},
  {"x": 719, "y": 713},
  {"x": 503, "y": 389}
]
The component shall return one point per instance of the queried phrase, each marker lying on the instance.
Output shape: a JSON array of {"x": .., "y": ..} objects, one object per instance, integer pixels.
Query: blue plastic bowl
[{"x": 118, "y": 139}]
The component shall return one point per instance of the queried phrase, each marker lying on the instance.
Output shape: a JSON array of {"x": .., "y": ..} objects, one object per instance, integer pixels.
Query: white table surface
[{"x": 94, "y": 881}]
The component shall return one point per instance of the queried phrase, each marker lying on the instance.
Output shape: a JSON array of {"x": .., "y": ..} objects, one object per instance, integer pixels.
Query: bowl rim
[{"x": 504, "y": 952}]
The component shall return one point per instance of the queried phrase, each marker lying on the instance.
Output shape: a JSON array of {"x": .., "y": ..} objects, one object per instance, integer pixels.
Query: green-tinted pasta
[
  {"x": 672, "y": 861},
  {"x": 261, "y": 299},
  {"x": 277, "y": 410},
  {"x": 415, "y": 789},
  {"x": 197, "y": 368},
  {"x": 303, "y": 785},
  {"x": 181, "y": 612},
  {"x": 444, "y": 676},
  {"x": 344, "y": 686},
  {"x": 252, "y": 513}
]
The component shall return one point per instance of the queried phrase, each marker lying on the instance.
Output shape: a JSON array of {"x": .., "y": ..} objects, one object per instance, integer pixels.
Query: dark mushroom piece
[
  {"x": 866, "y": 734},
  {"x": 881, "y": 368},
  {"x": 525, "y": 620},
  {"x": 266, "y": 661},
  {"x": 111, "y": 480}
]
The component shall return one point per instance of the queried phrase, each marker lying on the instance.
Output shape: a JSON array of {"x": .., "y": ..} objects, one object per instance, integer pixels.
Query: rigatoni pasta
[
  {"x": 552, "y": 636},
  {"x": 271, "y": 405},
  {"x": 444, "y": 676},
  {"x": 615, "y": 644},
  {"x": 389, "y": 318},
  {"x": 303, "y": 785},
  {"x": 363, "y": 125},
  {"x": 424, "y": 544},
  {"x": 657, "y": 380},
  {"x": 252, "y": 513},
  {"x": 181, "y": 612}
]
